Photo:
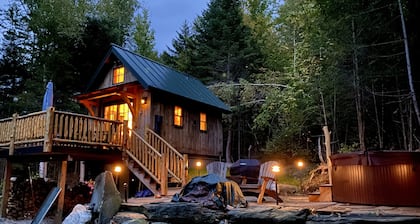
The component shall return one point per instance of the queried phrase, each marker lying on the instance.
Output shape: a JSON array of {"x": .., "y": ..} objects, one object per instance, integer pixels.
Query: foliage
[
  {"x": 224, "y": 49},
  {"x": 144, "y": 36}
]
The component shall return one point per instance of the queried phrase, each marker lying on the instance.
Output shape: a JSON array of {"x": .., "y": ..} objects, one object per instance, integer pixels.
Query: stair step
[{"x": 323, "y": 195}]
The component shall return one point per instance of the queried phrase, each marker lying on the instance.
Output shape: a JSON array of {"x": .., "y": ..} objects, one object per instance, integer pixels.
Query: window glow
[
  {"x": 118, "y": 76},
  {"x": 203, "y": 122},
  {"x": 119, "y": 112},
  {"x": 178, "y": 116}
]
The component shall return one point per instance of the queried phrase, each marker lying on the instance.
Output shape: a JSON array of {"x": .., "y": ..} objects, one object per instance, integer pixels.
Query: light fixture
[
  {"x": 275, "y": 169},
  {"x": 300, "y": 164},
  {"x": 143, "y": 100},
  {"x": 117, "y": 169}
]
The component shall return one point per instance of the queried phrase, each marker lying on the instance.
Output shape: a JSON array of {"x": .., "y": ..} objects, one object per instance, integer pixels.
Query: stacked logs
[{"x": 26, "y": 198}]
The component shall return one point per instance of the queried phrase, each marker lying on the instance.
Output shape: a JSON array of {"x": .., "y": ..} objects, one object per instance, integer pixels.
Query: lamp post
[
  {"x": 300, "y": 164},
  {"x": 198, "y": 165},
  {"x": 117, "y": 170},
  {"x": 276, "y": 170}
]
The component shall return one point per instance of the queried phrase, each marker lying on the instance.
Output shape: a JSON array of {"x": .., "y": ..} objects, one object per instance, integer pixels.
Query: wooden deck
[
  {"x": 52, "y": 133},
  {"x": 52, "y": 129}
]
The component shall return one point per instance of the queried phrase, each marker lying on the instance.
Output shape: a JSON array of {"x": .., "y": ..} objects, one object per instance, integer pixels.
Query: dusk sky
[{"x": 166, "y": 17}]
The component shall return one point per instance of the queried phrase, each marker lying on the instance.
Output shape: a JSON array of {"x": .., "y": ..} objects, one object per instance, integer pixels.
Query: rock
[
  {"x": 267, "y": 216},
  {"x": 106, "y": 199}
]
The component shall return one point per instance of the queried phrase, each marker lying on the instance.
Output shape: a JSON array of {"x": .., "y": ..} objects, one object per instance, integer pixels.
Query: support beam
[
  {"x": 6, "y": 187},
  {"x": 62, "y": 185}
]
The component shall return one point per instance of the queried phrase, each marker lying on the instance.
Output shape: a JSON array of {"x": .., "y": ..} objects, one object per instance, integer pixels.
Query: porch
[{"x": 52, "y": 135}]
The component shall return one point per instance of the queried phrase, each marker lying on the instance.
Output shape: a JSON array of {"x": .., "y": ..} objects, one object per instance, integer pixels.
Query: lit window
[
  {"x": 203, "y": 122},
  {"x": 118, "y": 76},
  {"x": 119, "y": 112},
  {"x": 178, "y": 116}
]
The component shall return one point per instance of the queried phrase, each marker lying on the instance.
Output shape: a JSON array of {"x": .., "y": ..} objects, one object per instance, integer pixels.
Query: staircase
[{"x": 154, "y": 161}]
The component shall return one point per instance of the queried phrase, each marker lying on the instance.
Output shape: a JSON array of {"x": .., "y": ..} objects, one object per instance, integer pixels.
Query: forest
[{"x": 286, "y": 68}]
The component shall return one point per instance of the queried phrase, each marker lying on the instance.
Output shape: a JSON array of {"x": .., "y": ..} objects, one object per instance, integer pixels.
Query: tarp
[{"x": 212, "y": 191}]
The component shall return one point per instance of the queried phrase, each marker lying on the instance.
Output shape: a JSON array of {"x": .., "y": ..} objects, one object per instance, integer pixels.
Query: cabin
[
  {"x": 143, "y": 116},
  {"x": 154, "y": 97}
]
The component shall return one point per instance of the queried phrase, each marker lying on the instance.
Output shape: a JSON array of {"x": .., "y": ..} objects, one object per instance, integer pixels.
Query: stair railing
[
  {"x": 149, "y": 159},
  {"x": 177, "y": 162}
]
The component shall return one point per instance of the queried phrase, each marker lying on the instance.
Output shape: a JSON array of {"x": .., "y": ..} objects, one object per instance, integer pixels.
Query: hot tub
[{"x": 377, "y": 178}]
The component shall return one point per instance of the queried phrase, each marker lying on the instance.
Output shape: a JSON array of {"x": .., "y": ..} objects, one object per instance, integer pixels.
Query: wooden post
[
  {"x": 125, "y": 135},
  {"x": 185, "y": 171},
  {"x": 328, "y": 152},
  {"x": 62, "y": 185},
  {"x": 6, "y": 187},
  {"x": 49, "y": 126},
  {"x": 13, "y": 135},
  {"x": 164, "y": 175}
]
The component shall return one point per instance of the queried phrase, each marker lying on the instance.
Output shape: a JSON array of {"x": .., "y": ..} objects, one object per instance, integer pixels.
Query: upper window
[
  {"x": 118, "y": 76},
  {"x": 203, "y": 122},
  {"x": 178, "y": 116}
]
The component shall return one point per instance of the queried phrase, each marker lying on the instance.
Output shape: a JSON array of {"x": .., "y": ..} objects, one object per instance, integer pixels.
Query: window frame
[
  {"x": 178, "y": 120},
  {"x": 117, "y": 75},
  {"x": 203, "y": 122}
]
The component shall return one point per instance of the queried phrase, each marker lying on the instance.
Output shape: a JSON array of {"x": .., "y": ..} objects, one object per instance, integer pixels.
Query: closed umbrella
[
  {"x": 48, "y": 96},
  {"x": 46, "y": 103}
]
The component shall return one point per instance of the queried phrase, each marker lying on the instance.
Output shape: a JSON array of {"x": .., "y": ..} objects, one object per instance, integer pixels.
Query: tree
[
  {"x": 225, "y": 49},
  {"x": 15, "y": 58},
  {"x": 181, "y": 53},
  {"x": 144, "y": 36}
]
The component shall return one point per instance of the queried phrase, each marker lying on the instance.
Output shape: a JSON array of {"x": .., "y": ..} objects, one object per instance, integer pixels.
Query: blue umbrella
[
  {"x": 48, "y": 96},
  {"x": 46, "y": 103}
]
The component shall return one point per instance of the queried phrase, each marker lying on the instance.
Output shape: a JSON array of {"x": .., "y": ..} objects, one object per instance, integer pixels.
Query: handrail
[
  {"x": 50, "y": 127},
  {"x": 176, "y": 161},
  {"x": 145, "y": 156}
]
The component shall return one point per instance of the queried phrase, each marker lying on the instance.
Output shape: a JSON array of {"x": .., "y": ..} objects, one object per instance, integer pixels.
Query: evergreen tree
[
  {"x": 144, "y": 36},
  {"x": 225, "y": 48},
  {"x": 180, "y": 55},
  {"x": 14, "y": 62}
]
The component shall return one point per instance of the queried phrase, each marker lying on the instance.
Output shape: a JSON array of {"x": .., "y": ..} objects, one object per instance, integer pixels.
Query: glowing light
[
  {"x": 117, "y": 169},
  {"x": 198, "y": 163},
  {"x": 300, "y": 164},
  {"x": 276, "y": 169}
]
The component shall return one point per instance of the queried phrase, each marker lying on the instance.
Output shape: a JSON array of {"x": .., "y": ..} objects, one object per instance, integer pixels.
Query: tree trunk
[
  {"x": 358, "y": 95},
  {"x": 407, "y": 57}
]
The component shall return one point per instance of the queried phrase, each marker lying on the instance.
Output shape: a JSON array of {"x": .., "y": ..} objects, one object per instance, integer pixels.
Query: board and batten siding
[
  {"x": 188, "y": 138},
  {"x": 107, "y": 82}
]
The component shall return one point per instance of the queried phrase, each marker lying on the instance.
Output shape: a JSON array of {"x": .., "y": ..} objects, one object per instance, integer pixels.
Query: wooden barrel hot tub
[{"x": 377, "y": 178}]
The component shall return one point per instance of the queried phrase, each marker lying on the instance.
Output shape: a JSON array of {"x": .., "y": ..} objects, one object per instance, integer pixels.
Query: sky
[{"x": 167, "y": 16}]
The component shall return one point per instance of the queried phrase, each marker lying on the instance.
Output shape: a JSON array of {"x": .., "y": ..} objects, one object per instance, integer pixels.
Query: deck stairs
[{"x": 155, "y": 162}]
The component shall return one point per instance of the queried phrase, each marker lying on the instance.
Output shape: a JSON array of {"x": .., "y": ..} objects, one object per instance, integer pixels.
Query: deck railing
[
  {"x": 50, "y": 127},
  {"x": 177, "y": 163}
]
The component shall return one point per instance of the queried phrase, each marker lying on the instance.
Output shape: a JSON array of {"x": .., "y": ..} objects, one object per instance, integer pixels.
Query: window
[
  {"x": 119, "y": 112},
  {"x": 178, "y": 116},
  {"x": 118, "y": 76},
  {"x": 203, "y": 122}
]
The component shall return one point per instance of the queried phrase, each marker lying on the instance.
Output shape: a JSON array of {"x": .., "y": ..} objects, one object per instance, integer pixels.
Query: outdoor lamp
[
  {"x": 300, "y": 164},
  {"x": 276, "y": 170},
  {"x": 143, "y": 100},
  {"x": 198, "y": 165},
  {"x": 117, "y": 170}
]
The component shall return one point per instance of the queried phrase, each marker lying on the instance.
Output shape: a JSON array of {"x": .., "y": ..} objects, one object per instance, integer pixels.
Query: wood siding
[
  {"x": 188, "y": 138},
  {"x": 107, "y": 82}
]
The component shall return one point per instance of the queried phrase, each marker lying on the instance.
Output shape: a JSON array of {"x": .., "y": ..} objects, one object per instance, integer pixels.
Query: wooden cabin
[
  {"x": 150, "y": 95},
  {"x": 144, "y": 115}
]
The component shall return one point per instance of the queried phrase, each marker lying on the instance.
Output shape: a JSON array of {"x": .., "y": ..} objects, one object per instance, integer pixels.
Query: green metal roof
[{"x": 152, "y": 74}]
